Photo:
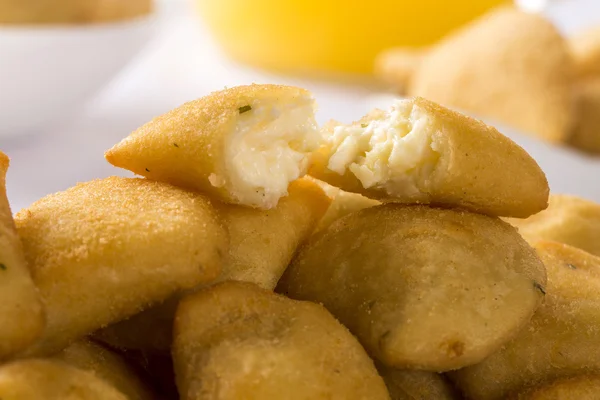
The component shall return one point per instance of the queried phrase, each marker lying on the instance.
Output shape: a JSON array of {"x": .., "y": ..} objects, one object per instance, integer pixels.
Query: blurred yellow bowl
[{"x": 330, "y": 35}]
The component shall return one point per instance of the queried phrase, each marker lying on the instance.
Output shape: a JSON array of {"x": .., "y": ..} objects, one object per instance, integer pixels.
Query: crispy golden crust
[
  {"x": 108, "y": 366},
  {"x": 561, "y": 339},
  {"x": 37, "y": 379},
  {"x": 584, "y": 387},
  {"x": 186, "y": 146},
  {"x": 397, "y": 66},
  {"x": 510, "y": 66},
  {"x": 585, "y": 48},
  {"x": 71, "y": 11},
  {"x": 586, "y": 131},
  {"x": 475, "y": 170},
  {"x": 416, "y": 385},
  {"x": 568, "y": 219},
  {"x": 421, "y": 287},
  {"x": 107, "y": 249},
  {"x": 20, "y": 307},
  {"x": 262, "y": 244},
  {"x": 236, "y": 341}
]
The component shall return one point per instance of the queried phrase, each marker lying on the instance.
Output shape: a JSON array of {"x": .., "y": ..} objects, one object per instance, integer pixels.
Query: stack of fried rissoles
[{"x": 129, "y": 288}]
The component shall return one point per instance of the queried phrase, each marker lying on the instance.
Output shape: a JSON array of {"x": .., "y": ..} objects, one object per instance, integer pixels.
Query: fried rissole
[
  {"x": 237, "y": 341},
  {"x": 421, "y": 287},
  {"x": 108, "y": 366},
  {"x": 509, "y": 66},
  {"x": 397, "y": 66},
  {"x": 568, "y": 219},
  {"x": 242, "y": 145},
  {"x": 585, "y": 387},
  {"x": 39, "y": 379},
  {"x": 107, "y": 249},
  {"x": 585, "y": 47},
  {"x": 586, "y": 131},
  {"x": 421, "y": 152},
  {"x": 562, "y": 338}
]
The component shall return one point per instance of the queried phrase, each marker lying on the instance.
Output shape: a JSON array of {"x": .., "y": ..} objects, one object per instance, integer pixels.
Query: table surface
[{"x": 180, "y": 63}]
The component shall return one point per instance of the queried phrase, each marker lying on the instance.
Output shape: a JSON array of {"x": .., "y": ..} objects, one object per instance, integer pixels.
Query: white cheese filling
[
  {"x": 394, "y": 151},
  {"x": 270, "y": 148}
]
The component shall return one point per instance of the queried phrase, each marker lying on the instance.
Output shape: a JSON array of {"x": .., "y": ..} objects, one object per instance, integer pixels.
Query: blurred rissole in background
[
  {"x": 71, "y": 11},
  {"x": 330, "y": 35}
]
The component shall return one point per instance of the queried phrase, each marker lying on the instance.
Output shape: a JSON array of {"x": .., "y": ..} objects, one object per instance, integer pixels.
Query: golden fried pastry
[
  {"x": 243, "y": 145},
  {"x": 107, "y": 249},
  {"x": 21, "y": 314},
  {"x": 585, "y": 47},
  {"x": 510, "y": 66},
  {"x": 420, "y": 152},
  {"x": 397, "y": 66},
  {"x": 586, "y": 131},
  {"x": 342, "y": 203},
  {"x": 108, "y": 366},
  {"x": 262, "y": 244},
  {"x": 237, "y": 341},
  {"x": 421, "y": 288},
  {"x": 568, "y": 219},
  {"x": 404, "y": 384},
  {"x": 71, "y": 11},
  {"x": 37, "y": 379},
  {"x": 562, "y": 338},
  {"x": 586, "y": 387}
]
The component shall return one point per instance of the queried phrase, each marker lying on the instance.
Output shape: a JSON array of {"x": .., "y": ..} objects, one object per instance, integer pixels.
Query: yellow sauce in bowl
[{"x": 330, "y": 35}]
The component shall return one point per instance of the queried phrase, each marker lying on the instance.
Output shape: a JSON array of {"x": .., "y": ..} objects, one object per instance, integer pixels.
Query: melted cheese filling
[
  {"x": 392, "y": 152},
  {"x": 271, "y": 147}
]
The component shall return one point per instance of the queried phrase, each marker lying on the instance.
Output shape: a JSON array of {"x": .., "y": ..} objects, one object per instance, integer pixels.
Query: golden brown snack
[
  {"x": 237, "y": 341},
  {"x": 108, "y": 366},
  {"x": 510, "y": 66},
  {"x": 585, "y": 387},
  {"x": 568, "y": 219},
  {"x": 21, "y": 313},
  {"x": 404, "y": 384},
  {"x": 422, "y": 288},
  {"x": 586, "y": 131},
  {"x": 342, "y": 203},
  {"x": 419, "y": 151},
  {"x": 397, "y": 66},
  {"x": 243, "y": 145},
  {"x": 37, "y": 379},
  {"x": 71, "y": 11},
  {"x": 562, "y": 338},
  {"x": 107, "y": 249},
  {"x": 262, "y": 244},
  {"x": 585, "y": 47}
]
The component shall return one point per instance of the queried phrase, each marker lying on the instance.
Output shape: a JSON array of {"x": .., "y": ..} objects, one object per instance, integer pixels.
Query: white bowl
[{"x": 47, "y": 72}]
